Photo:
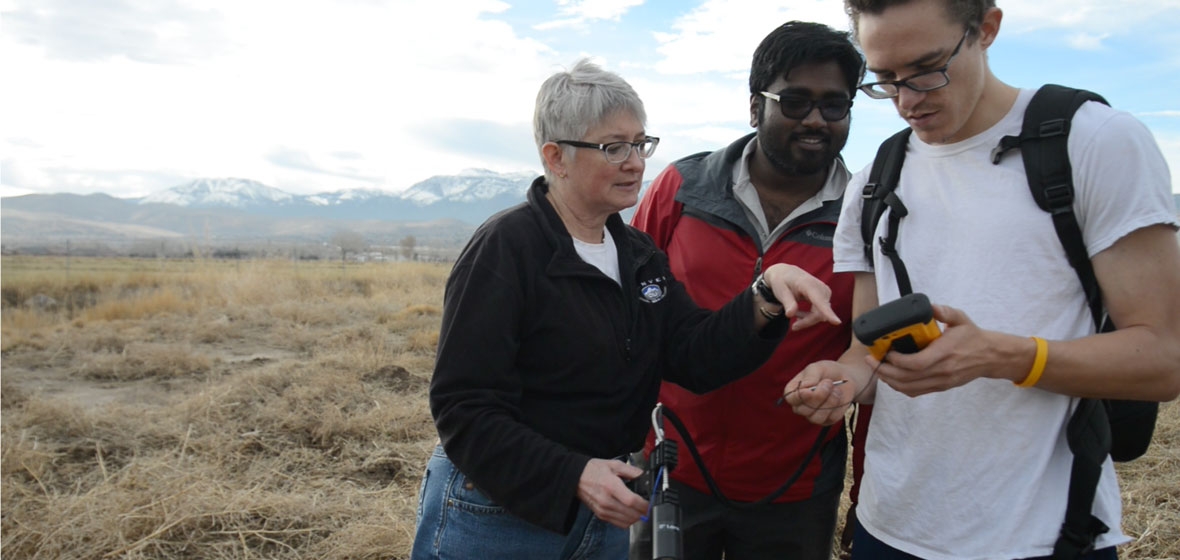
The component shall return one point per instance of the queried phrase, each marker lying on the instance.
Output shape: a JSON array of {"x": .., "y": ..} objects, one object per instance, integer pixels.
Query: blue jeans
[{"x": 457, "y": 521}]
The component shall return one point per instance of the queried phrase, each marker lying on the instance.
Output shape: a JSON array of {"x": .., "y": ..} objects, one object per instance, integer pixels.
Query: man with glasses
[
  {"x": 967, "y": 456},
  {"x": 722, "y": 217}
]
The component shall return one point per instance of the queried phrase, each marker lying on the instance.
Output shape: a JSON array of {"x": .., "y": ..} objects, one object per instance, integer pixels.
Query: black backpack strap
[
  {"x": 1043, "y": 144},
  {"x": 1089, "y": 439},
  {"x": 882, "y": 181},
  {"x": 897, "y": 211}
]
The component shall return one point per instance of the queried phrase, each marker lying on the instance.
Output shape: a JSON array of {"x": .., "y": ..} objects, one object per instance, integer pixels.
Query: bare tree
[
  {"x": 349, "y": 242},
  {"x": 407, "y": 245}
]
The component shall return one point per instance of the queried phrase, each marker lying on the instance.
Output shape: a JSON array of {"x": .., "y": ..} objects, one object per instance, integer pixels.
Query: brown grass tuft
[
  {"x": 140, "y": 360},
  {"x": 424, "y": 340},
  {"x": 419, "y": 310}
]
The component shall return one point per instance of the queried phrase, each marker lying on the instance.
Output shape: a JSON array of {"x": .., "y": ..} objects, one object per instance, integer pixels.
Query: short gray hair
[{"x": 571, "y": 103}]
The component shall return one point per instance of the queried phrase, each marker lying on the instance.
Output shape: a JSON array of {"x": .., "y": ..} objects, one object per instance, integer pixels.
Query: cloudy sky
[{"x": 130, "y": 97}]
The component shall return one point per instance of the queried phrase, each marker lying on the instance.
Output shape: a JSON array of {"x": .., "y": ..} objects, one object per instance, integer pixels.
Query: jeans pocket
[
  {"x": 422, "y": 493},
  {"x": 464, "y": 495}
]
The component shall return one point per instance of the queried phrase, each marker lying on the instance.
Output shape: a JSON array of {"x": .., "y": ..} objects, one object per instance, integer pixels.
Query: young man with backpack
[
  {"x": 971, "y": 452},
  {"x": 722, "y": 217}
]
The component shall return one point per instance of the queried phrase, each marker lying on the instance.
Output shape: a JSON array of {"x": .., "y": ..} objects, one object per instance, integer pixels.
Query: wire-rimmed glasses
[{"x": 929, "y": 80}]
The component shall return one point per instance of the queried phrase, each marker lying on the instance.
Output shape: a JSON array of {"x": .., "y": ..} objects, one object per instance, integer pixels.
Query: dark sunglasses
[{"x": 798, "y": 107}]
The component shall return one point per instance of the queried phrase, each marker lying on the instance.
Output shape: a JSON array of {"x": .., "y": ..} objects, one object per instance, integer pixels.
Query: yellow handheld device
[{"x": 904, "y": 325}]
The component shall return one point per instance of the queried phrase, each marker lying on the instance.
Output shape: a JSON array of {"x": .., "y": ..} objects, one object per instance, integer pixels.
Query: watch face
[{"x": 764, "y": 290}]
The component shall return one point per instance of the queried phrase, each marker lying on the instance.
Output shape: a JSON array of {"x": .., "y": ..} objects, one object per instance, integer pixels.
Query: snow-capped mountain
[
  {"x": 345, "y": 197},
  {"x": 231, "y": 192},
  {"x": 469, "y": 186},
  {"x": 470, "y": 196}
]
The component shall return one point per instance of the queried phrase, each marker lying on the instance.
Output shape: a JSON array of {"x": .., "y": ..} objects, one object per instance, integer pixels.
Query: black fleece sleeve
[
  {"x": 475, "y": 394},
  {"x": 705, "y": 351}
]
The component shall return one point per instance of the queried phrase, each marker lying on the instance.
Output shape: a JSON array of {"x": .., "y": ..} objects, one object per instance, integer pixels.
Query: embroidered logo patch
[{"x": 652, "y": 290}]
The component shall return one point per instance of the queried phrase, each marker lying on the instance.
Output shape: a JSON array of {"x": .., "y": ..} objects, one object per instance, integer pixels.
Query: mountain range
[
  {"x": 443, "y": 209},
  {"x": 470, "y": 196}
]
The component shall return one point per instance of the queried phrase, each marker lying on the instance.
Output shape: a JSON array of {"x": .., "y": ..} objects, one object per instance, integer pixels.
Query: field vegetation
[{"x": 158, "y": 409}]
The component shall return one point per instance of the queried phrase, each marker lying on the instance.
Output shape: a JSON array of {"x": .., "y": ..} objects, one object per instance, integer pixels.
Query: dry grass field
[{"x": 202, "y": 409}]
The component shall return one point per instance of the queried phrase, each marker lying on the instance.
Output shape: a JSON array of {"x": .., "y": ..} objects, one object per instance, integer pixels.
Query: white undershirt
[{"x": 604, "y": 256}]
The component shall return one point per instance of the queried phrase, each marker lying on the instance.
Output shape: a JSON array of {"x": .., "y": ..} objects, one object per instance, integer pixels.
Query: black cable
[
  {"x": 696, "y": 457},
  {"x": 716, "y": 490}
]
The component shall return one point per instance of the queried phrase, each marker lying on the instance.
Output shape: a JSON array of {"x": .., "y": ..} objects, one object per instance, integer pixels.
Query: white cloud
[
  {"x": 559, "y": 24},
  {"x": 153, "y": 32},
  {"x": 692, "y": 102},
  {"x": 598, "y": 9},
  {"x": 1086, "y": 41},
  {"x": 1093, "y": 16},
  {"x": 1169, "y": 143},
  {"x": 322, "y": 77},
  {"x": 276, "y": 91},
  {"x": 581, "y": 12},
  {"x": 721, "y": 35},
  {"x": 714, "y": 135}
]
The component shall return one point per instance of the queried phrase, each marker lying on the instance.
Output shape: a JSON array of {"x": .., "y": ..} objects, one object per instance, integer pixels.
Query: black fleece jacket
[{"x": 544, "y": 362}]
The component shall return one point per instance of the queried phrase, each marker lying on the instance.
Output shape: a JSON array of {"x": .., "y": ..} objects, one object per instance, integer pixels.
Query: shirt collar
[{"x": 747, "y": 195}]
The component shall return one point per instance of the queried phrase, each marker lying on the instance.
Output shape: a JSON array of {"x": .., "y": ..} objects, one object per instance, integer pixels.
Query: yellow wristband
[{"x": 1038, "y": 366}]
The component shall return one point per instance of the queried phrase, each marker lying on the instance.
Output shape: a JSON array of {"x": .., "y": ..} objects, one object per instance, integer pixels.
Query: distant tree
[
  {"x": 407, "y": 245},
  {"x": 234, "y": 253},
  {"x": 349, "y": 242}
]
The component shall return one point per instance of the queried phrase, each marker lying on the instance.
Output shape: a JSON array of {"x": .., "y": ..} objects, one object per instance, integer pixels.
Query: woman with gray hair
[{"x": 559, "y": 322}]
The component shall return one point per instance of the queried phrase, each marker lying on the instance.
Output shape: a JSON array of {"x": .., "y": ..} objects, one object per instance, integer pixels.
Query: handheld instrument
[{"x": 904, "y": 325}]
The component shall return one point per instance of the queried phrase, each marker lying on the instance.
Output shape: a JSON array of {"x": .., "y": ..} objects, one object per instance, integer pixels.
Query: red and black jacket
[{"x": 750, "y": 445}]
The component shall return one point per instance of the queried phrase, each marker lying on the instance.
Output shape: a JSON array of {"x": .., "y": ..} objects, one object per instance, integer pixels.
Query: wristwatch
[{"x": 759, "y": 287}]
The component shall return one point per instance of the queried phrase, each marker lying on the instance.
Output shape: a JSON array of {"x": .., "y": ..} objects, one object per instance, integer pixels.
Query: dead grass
[
  {"x": 146, "y": 360},
  {"x": 262, "y": 410},
  {"x": 1151, "y": 493}
]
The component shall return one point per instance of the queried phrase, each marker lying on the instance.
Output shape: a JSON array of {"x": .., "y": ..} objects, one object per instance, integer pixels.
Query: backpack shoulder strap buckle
[
  {"x": 1006, "y": 143},
  {"x": 870, "y": 189},
  {"x": 1046, "y": 129},
  {"x": 1053, "y": 127},
  {"x": 1058, "y": 198}
]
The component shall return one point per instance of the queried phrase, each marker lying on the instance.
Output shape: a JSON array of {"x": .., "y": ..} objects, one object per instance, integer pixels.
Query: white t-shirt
[
  {"x": 604, "y": 256},
  {"x": 982, "y": 471}
]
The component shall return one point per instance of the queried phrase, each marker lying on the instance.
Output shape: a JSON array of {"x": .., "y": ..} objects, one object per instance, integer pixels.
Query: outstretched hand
[
  {"x": 601, "y": 488},
  {"x": 792, "y": 285}
]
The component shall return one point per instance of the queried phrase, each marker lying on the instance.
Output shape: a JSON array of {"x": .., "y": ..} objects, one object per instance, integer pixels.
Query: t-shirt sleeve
[
  {"x": 848, "y": 253},
  {"x": 1121, "y": 179}
]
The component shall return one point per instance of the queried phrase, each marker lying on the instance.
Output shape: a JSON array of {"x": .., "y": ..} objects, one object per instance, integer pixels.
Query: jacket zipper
[{"x": 629, "y": 297}]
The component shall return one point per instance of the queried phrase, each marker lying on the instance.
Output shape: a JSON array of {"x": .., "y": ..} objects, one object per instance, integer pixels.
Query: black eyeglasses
[
  {"x": 618, "y": 152},
  {"x": 798, "y": 107},
  {"x": 929, "y": 80}
]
